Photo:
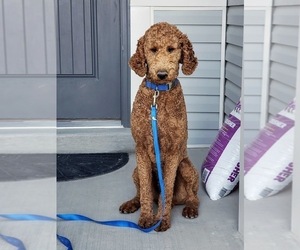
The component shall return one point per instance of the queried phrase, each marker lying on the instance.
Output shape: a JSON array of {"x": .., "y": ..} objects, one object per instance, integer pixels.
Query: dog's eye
[
  {"x": 154, "y": 50},
  {"x": 170, "y": 49}
]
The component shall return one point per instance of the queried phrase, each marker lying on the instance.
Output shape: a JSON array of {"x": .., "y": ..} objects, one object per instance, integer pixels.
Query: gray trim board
[{"x": 125, "y": 72}]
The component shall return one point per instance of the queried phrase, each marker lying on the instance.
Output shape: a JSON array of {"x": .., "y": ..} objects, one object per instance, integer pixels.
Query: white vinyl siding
[
  {"x": 234, "y": 55},
  {"x": 270, "y": 61},
  {"x": 253, "y": 56},
  {"x": 203, "y": 88},
  {"x": 283, "y": 55}
]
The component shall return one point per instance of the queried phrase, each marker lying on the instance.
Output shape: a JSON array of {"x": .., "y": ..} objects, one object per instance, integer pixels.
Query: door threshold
[
  {"x": 27, "y": 124},
  {"x": 53, "y": 124},
  {"x": 89, "y": 124}
]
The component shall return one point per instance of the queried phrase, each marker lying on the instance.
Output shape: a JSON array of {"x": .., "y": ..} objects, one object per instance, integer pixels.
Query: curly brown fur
[{"x": 158, "y": 55}]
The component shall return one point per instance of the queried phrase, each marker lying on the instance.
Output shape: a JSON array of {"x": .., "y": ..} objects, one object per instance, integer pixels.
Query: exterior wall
[
  {"x": 203, "y": 90},
  {"x": 283, "y": 55},
  {"x": 254, "y": 68},
  {"x": 270, "y": 60},
  {"x": 234, "y": 54}
]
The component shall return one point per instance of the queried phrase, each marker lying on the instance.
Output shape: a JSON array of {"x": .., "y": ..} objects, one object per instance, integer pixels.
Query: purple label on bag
[
  {"x": 235, "y": 173},
  {"x": 273, "y": 131},
  {"x": 291, "y": 107},
  {"x": 285, "y": 173},
  {"x": 230, "y": 126}
]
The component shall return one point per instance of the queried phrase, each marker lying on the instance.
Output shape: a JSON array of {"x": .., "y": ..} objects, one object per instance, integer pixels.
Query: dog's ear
[
  {"x": 138, "y": 61},
  {"x": 188, "y": 60}
]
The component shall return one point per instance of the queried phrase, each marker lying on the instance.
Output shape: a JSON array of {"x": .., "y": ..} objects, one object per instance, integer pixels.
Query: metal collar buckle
[{"x": 170, "y": 84}]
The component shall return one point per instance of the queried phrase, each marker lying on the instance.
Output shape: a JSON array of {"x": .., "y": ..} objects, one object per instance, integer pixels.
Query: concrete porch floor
[{"x": 99, "y": 198}]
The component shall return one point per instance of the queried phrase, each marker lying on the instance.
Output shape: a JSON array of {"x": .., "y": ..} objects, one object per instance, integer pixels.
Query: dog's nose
[{"x": 162, "y": 75}]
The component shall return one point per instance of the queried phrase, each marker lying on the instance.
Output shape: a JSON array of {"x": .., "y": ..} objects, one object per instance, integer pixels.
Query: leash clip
[{"x": 156, "y": 94}]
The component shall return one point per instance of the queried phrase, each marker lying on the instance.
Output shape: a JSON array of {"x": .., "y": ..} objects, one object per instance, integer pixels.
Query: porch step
[
  {"x": 64, "y": 137},
  {"x": 95, "y": 136},
  {"x": 95, "y": 140}
]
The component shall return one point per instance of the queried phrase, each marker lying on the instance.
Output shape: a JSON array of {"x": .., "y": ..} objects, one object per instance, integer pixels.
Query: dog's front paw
[
  {"x": 146, "y": 221},
  {"x": 190, "y": 212},
  {"x": 164, "y": 225},
  {"x": 129, "y": 206}
]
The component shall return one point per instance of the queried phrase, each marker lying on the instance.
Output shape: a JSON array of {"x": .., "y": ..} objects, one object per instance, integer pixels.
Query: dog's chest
[{"x": 171, "y": 117}]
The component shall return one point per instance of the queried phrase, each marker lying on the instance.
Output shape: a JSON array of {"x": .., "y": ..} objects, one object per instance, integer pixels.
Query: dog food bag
[
  {"x": 269, "y": 157},
  {"x": 220, "y": 169}
]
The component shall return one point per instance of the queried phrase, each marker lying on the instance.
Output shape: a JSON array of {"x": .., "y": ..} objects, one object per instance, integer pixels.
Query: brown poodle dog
[{"x": 158, "y": 55}]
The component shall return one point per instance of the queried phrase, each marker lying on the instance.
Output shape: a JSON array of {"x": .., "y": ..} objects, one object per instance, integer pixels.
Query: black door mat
[
  {"x": 78, "y": 166},
  {"x": 15, "y": 167}
]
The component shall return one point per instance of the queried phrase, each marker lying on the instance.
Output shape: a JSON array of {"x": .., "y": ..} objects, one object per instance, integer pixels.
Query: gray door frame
[{"x": 125, "y": 71}]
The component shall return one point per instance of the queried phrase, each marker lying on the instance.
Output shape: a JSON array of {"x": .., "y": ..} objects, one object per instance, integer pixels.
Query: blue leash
[
  {"x": 114, "y": 223},
  {"x": 29, "y": 217},
  {"x": 65, "y": 241},
  {"x": 77, "y": 217},
  {"x": 157, "y": 153},
  {"x": 20, "y": 245},
  {"x": 13, "y": 241},
  {"x": 67, "y": 217}
]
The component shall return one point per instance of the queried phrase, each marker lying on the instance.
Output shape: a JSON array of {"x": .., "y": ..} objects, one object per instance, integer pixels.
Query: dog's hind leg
[
  {"x": 191, "y": 178},
  {"x": 134, "y": 204}
]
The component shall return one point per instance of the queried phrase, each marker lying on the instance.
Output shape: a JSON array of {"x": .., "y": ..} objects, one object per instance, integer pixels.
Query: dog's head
[{"x": 160, "y": 51}]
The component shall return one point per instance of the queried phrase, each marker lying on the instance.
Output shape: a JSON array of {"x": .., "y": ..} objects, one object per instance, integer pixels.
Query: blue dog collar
[{"x": 163, "y": 86}]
